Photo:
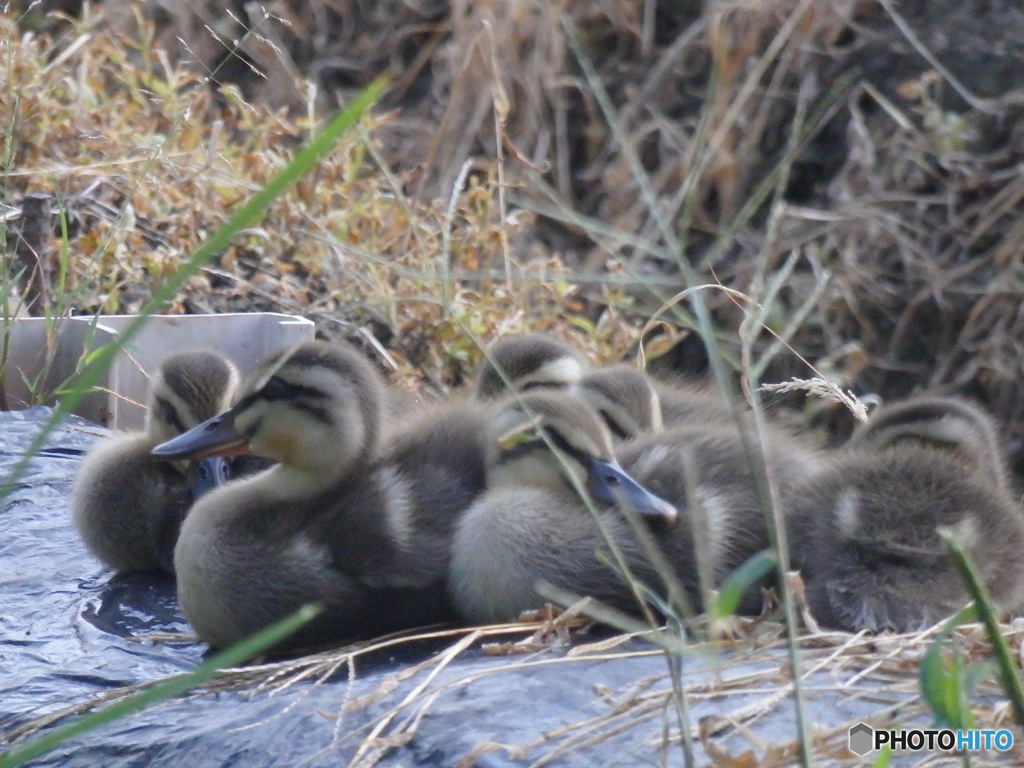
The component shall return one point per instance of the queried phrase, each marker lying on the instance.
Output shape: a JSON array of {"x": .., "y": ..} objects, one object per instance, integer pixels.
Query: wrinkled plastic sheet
[{"x": 66, "y": 629}]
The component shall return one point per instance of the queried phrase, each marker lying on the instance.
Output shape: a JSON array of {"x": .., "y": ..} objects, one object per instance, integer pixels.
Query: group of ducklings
[{"x": 540, "y": 474}]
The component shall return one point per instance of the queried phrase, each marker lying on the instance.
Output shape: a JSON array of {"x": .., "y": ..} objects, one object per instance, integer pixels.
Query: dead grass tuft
[
  {"x": 757, "y": 138},
  {"x": 145, "y": 161}
]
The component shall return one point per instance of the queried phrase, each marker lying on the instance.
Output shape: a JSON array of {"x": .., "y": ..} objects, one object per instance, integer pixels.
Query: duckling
[
  {"x": 341, "y": 520},
  {"x": 703, "y": 469},
  {"x": 532, "y": 525},
  {"x": 128, "y": 506},
  {"x": 524, "y": 362},
  {"x": 701, "y": 436},
  {"x": 865, "y": 529}
]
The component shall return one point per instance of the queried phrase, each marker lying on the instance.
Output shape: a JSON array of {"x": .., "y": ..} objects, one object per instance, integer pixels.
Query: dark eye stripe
[
  {"x": 318, "y": 412},
  {"x": 614, "y": 427},
  {"x": 167, "y": 413},
  {"x": 279, "y": 389},
  {"x": 530, "y": 386},
  {"x": 563, "y": 445},
  {"x": 298, "y": 395},
  {"x": 567, "y": 448}
]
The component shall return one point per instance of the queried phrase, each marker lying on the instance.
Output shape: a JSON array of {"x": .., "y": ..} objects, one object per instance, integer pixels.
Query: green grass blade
[
  {"x": 736, "y": 583},
  {"x": 163, "y": 690},
  {"x": 942, "y": 684},
  {"x": 976, "y": 672},
  {"x": 1008, "y": 672}
]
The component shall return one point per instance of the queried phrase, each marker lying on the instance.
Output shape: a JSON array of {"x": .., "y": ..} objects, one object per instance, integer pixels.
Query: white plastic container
[{"x": 34, "y": 366}]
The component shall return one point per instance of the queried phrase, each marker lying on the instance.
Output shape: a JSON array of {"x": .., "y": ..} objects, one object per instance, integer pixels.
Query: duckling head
[
  {"x": 947, "y": 424},
  {"x": 315, "y": 409},
  {"x": 190, "y": 387},
  {"x": 525, "y": 362},
  {"x": 558, "y": 442},
  {"x": 624, "y": 397}
]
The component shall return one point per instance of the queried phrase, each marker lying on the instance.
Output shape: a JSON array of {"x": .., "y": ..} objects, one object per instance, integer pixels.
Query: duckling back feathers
[
  {"x": 947, "y": 424},
  {"x": 865, "y": 536},
  {"x": 705, "y": 470}
]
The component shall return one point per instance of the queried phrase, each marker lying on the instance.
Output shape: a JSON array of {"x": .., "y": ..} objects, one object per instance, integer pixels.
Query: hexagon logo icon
[{"x": 862, "y": 739}]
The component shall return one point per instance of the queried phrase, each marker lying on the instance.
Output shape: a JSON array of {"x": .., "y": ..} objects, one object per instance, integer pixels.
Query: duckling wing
[
  {"x": 391, "y": 530},
  {"x": 127, "y": 506},
  {"x": 441, "y": 464},
  {"x": 513, "y": 539}
]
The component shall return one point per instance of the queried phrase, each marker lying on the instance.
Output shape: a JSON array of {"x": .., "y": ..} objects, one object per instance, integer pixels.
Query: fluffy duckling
[
  {"x": 865, "y": 530},
  {"x": 524, "y": 362},
  {"x": 363, "y": 530},
  {"x": 532, "y": 524},
  {"x": 128, "y": 506},
  {"x": 703, "y": 469}
]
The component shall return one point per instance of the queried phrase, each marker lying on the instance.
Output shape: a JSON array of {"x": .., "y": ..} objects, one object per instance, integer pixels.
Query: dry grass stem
[{"x": 747, "y": 694}]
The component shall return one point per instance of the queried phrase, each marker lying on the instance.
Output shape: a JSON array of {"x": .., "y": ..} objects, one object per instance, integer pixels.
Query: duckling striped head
[
  {"x": 314, "y": 408},
  {"x": 556, "y": 441},
  {"x": 189, "y": 387},
  {"x": 946, "y": 424},
  {"x": 624, "y": 397},
  {"x": 526, "y": 362}
]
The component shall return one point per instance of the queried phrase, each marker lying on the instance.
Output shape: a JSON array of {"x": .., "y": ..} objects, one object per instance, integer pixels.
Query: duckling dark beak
[
  {"x": 214, "y": 437},
  {"x": 609, "y": 483}
]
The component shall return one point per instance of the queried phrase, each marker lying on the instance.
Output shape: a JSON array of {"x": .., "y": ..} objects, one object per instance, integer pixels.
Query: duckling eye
[{"x": 275, "y": 389}]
